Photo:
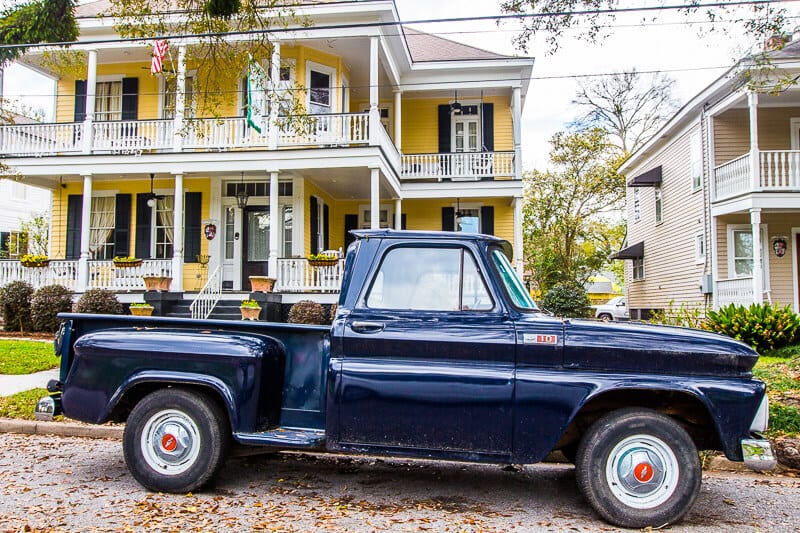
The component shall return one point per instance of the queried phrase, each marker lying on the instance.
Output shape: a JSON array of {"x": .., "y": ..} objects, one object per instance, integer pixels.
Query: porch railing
[
  {"x": 208, "y": 296},
  {"x": 102, "y": 274},
  {"x": 57, "y": 272},
  {"x": 734, "y": 291},
  {"x": 297, "y": 275},
  {"x": 40, "y": 139},
  {"x": 458, "y": 166},
  {"x": 779, "y": 172},
  {"x": 132, "y": 136},
  {"x": 329, "y": 129},
  {"x": 223, "y": 133}
]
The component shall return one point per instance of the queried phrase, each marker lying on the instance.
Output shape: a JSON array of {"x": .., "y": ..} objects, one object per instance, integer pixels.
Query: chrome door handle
[{"x": 367, "y": 327}]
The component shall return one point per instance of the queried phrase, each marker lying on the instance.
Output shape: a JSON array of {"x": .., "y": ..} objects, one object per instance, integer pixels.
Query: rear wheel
[
  {"x": 638, "y": 468},
  {"x": 175, "y": 440},
  {"x": 605, "y": 317}
]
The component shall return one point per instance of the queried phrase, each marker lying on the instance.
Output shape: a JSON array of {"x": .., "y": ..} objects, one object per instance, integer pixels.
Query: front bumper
[
  {"x": 758, "y": 454},
  {"x": 50, "y": 406}
]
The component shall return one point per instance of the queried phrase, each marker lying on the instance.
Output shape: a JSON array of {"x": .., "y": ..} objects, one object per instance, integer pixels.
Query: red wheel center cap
[
  {"x": 643, "y": 472},
  {"x": 169, "y": 442}
]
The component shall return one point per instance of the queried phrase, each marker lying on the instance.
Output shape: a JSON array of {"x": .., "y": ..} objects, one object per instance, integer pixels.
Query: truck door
[{"x": 428, "y": 357}]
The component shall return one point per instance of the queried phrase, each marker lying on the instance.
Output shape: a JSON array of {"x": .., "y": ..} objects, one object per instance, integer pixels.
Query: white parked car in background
[{"x": 614, "y": 309}]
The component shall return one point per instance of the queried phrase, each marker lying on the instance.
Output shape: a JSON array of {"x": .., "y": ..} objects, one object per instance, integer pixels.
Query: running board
[{"x": 284, "y": 438}]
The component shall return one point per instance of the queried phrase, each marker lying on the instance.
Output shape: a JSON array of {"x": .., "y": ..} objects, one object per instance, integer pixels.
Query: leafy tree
[
  {"x": 630, "y": 106},
  {"x": 567, "y": 299},
  {"x": 34, "y": 236},
  {"x": 565, "y": 207},
  {"x": 39, "y": 21}
]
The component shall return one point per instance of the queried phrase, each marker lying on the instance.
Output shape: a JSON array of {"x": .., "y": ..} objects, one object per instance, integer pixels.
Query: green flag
[{"x": 257, "y": 80}]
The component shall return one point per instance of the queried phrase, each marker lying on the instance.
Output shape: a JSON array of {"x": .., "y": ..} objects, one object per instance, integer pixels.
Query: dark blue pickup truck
[{"x": 437, "y": 351}]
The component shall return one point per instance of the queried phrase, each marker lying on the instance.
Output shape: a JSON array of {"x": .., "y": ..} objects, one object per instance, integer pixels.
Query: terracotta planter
[
  {"x": 250, "y": 313},
  {"x": 262, "y": 283},
  {"x": 323, "y": 262},
  {"x": 142, "y": 311},
  {"x": 157, "y": 283}
]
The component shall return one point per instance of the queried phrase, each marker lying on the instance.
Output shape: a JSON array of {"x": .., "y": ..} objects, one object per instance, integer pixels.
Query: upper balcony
[{"x": 778, "y": 171}]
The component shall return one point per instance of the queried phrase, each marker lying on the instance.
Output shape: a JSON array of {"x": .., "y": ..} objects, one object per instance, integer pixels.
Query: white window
[
  {"x": 163, "y": 227},
  {"x": 696, "y": 168},
  {"x": 101, "y": 227},
  {"x": 700, "y": 248},
  {"x": 288, "y": 226},
  {"x": 108, "y": 100},
  {"x": 230, "y": 231},
  {"x": 740, "y": 253},
  {"x": 468, "y": 220},
  {"x": 638, "y": 268},
  {"x": 636, "y": 208},
  {"x": 659, "y": 205},
  {"x": 321, "y": 94},
  {"x": 385, "y": 216},
  {"x": 170, "y": 94}
]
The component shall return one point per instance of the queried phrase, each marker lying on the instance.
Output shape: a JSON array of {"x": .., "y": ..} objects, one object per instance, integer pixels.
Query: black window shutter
[
  {"x": 4, "y": 235},
  {"x": 122, "y": 226},
  {"x": 350, "y": 223},
  {"x": 74, "y": 215},
  {"x": 144, "y": 217},
  {"x": 130, "y": 98},
  {"x": 487, "y": 219},
  {"x": 448, "y": 219},
  {"x": 314, "y": 225},
  {"x": 403, "y": 221},
  {"x": 192, "y": 216},
  {"x": 487, "y": 117},
  {"x": 325, "y": 226},
  {"x": 80, "y": 100},
  {"x": 444, "y": 129}
]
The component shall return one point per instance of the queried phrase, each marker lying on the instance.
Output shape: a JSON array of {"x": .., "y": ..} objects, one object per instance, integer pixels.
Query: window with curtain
[
  {"x": 164, "y": 224},
  {"x": 108, "y": 100},
  {"x": 170, "y": 97},
  {"x": 101, "y": 227},
  {"x": 742, "y": 253},
  {"x": 469, "y": 221}
]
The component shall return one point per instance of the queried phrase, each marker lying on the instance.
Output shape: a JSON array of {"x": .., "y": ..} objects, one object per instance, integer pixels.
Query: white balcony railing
[
  {"x": 737, "y": 291},
  {"x": 132, "y": 136},
  {"x": 223, "y": 133},
  {"x": 458, "y": 166},
  {"x": 779, "y": 172},
  {"x": 329, "y": 129},
  {"x": 297, "y": 275},
  {"x": 40, "y": 139}
]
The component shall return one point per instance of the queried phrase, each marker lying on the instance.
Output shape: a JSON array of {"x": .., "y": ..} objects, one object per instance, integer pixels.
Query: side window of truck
[{"x": 429, "y": 279}]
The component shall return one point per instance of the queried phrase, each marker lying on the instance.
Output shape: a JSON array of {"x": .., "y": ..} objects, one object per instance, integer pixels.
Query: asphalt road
[{"x": 78, "y": 484}]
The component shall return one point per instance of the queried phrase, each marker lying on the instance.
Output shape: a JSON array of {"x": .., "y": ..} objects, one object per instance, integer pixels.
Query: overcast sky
[{"x": 662, "y": 44}]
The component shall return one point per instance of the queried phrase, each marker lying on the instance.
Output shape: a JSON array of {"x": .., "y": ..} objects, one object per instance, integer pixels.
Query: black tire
[
  {"x": 638, "y": 468},
  {"x": 186, "y": 440},
  {"x": 605, "y": 317}
]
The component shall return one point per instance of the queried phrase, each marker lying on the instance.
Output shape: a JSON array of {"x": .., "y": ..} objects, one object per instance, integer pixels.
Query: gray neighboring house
[{"x": 713, "y": 200}]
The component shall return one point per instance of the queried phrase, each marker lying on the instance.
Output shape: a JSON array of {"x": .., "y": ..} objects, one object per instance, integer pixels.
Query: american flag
[{"x": 159, "y": 51}]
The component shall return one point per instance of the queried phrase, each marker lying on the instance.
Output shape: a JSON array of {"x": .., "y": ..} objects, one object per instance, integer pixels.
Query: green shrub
[
  {"x": 46, "y": 303},
  {"x": 307, "y": 312},
  {"x": 99, "y": 301},
  {"x": 686, "y": 316},
  {"x": 15, "y": 300},
  {"x": 568, "y": 300},
  {"x": 332, "y": 316},
  {"x": 762, "y": 326}
]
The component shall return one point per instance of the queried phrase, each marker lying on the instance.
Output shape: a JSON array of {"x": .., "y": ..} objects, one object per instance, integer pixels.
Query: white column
[
  {"x": 398, "y": 118},
  {"x": 177, "y": 237},
  {"x": 375, "y": 199},
  {"x": 755, "y": 167},
  {"x": 86, "y": 223},
  {"x": 516, "y": 121},
  {"x": 374, "y": 114},
  {"x": 274, "y": 76},
  {"x": 519, "y": 263},
  {"x": 91, "y": 90},
  {"x": 275, "y": 220},
  {"x": 180, "y": 101},
  {"x": 758, "y": 275},
  {"x": 398, "y": 213}
]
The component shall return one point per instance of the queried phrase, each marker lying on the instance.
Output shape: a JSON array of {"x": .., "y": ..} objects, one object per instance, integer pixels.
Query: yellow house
[{"x": 407, "y": 130}]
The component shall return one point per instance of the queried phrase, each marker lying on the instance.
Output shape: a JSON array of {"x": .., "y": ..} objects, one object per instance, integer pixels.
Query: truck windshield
[{"x": 514, "y": 287}]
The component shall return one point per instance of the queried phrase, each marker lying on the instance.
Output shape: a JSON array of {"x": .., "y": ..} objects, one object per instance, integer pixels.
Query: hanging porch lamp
[
  {"x": 455, "y": 107},
  {"x": 241, "y": 194}
]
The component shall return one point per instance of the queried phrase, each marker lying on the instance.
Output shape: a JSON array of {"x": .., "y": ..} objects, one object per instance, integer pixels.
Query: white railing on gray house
[
  {"x": 737, "y": 291},
  {"x": 779, "y": 172},
  {"x": 457, "y": 166},
  {"x": 208, "y": 297},
  {"x": 40, "y": 139},
  {"x": 297, "y": 275}
]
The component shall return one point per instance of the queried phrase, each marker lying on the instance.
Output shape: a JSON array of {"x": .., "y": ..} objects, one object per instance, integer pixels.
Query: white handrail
[
  {"x": 40, "y": 139},
  {"x": 209, "y": 295},
  {"x": 457, "y": 165},
  {"x": 297, "y": 275}
]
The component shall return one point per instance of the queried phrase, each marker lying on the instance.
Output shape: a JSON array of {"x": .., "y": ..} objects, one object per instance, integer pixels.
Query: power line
[{"x": 357, "y": 25}]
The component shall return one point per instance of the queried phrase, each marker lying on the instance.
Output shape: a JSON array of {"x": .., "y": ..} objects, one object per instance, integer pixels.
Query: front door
[
  {"x": 427, "y": 358},
  {"x": 255, "y": 242}
]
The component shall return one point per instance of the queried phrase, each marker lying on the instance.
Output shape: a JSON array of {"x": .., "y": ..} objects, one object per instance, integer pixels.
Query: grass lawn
[
  {"x": 26, "y": 357},
  {"x": 782, "y": 376}
]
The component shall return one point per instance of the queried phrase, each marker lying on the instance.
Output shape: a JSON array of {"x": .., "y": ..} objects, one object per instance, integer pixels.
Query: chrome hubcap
[
  {"x": 170, "y": 442},
  {"x": 642, "y": 471}
]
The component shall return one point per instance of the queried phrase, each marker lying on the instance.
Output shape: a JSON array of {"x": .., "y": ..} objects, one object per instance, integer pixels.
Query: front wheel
[
  {"x": 638, "y": 468},
  {"x": 175, "y": 440}
]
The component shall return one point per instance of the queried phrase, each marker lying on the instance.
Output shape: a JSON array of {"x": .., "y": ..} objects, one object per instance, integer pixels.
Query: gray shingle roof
[{"x": 427, "y": 47}]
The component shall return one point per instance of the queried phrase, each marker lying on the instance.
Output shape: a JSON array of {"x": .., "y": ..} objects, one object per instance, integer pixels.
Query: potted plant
[
  {"x": 141, "y": 309},
  {"x": 261, "y": 283},
  {"x": 322, "y": 260},
  {"x": 250, "y": 310},
  {"x": 157, "y": 283},
  {"x": 126, "y": 262},
  {"x": 34, "y": 261}
]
